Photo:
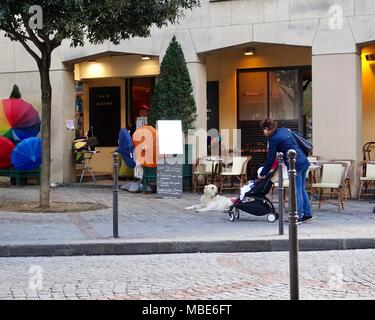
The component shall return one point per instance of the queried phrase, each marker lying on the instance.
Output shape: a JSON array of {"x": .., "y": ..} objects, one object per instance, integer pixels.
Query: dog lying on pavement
[{"x": 211, "y": 201}]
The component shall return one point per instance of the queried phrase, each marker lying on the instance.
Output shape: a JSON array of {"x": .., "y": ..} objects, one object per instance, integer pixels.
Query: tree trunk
[{"x": 46, "y": 88}]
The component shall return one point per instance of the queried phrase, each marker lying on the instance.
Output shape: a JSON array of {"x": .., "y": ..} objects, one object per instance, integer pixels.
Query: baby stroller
[{"x": 256, "y": 202}]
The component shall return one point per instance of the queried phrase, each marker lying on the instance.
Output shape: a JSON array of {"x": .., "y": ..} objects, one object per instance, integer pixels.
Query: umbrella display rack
[{"x": 18, "y": 175}]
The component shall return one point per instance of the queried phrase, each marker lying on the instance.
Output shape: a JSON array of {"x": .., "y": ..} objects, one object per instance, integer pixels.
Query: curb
[{"x": 179, "y": 247}]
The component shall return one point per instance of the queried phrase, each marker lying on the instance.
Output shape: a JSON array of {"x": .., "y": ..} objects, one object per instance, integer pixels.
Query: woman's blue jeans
[{"x": 303, "y": 200}]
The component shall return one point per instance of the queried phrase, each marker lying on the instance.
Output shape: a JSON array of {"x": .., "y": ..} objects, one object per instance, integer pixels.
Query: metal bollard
[
  {"x": 280, "y": 157},
  {"x": 293, "y": 228},
  {"x": 115, "y": 195}
]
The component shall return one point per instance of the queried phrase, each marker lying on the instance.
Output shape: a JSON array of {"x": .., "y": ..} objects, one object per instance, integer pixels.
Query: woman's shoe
[{"x": 306, "y": 219}]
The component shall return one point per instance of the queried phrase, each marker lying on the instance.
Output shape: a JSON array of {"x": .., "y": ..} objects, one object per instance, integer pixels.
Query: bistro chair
[
  {"x": 366, "y": 176},
  {"x": 348, "y": 177},
  {"x": 332, "y": 178},
  {"x": 313, "y": 159},
  {"x": 236, "y": 173},
  {"x": 369, "y": 151}
]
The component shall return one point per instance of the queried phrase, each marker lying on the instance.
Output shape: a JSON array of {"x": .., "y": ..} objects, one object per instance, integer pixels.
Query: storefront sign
[{"x": 170, "y": 137}]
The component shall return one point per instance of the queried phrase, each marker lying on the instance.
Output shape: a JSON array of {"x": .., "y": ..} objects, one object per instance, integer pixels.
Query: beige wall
[
  {"x": 368, "y": 83},
  {"x": 222, "y": 67},
  {"x": 337, "y": 108}
]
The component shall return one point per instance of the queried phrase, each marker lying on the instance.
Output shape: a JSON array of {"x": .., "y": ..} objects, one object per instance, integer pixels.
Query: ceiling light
[
  {"x": 249, "y": 52},
  {"x": 146, "y": 58}
]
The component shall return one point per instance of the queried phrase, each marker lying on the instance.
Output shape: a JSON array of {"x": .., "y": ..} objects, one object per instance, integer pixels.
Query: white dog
[{"x": 211, "y": 201}]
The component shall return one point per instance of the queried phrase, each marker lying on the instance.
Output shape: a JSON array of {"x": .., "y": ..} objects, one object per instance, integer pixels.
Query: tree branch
[
  {"x": 32, "y": 35},
  {"x": 19, "y": 38}
]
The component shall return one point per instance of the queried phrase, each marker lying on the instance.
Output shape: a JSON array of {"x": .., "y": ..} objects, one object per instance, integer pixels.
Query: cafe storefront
[{"x": 116, "y": 93}]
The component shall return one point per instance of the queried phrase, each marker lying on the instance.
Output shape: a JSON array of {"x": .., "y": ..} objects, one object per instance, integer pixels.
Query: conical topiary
[
  {"x": 173, "y": 97},
  {"x": 16, "y": 94}
]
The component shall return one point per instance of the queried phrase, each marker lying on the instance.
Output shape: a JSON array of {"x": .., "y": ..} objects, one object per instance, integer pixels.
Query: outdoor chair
[
  {"x": 366, "y": 176},
  {"x": 369, "y": 151},
  {"x": 348, "y": 177},
  {"x": 204, "y": 169},
  {"x": 236, "y": 173},
  {"x": 313, "y": 159},
  {"x": 333, "y": 176}
]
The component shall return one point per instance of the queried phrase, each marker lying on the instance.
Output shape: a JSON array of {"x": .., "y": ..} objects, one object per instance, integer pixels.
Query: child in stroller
[{"x": 253, "y": 199}]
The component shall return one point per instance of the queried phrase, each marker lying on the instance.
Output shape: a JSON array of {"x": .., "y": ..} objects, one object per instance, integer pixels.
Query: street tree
[
  {"x": 41, "y": 26},
  {"x": 173, "y": 98},
  {"x": 16, "y": 94}
]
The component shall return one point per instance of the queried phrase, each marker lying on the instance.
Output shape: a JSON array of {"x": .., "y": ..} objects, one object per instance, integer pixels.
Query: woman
[{"x": 282, "y": 140}]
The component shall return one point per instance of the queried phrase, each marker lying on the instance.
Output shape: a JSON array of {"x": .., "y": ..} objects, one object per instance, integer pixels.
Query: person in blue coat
[{"x": 282, "y": 140}]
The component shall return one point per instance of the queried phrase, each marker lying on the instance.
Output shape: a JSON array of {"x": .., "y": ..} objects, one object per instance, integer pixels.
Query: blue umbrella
[{"x": 27, "y": 155}]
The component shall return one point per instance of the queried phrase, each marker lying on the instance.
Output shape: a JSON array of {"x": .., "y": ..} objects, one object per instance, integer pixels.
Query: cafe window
[
  {"x": 284, "y": 94},
  {"x": 278, "y": 93},
  {"x": 253, "y": 100}
]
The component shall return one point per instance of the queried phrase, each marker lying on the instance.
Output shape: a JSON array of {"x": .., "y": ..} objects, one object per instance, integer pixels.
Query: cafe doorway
[{"x": 139, "y": 92}]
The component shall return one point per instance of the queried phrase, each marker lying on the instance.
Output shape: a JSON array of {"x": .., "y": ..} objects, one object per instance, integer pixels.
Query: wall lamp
[
  {"x": 249, "y": 52},
  {"x": 370, "y": 57}
]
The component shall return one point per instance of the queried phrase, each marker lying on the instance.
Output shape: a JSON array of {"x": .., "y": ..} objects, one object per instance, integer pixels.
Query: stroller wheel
[
  {"x": 232, "y": 216},
  {"x": 237, "y": 213},
  {"x": 272, "y": 217}
]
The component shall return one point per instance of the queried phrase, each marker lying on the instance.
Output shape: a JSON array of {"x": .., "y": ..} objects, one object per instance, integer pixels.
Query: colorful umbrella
[
  {"x": 27, "y": 155},
  {"x": 6, "y": 149},
  {"x": 18, "y": 120}
]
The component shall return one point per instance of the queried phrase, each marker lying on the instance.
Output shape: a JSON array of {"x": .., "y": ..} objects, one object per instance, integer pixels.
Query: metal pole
[
  {"x": 293, "y": 228},
  {"x": 115, "y": 195},
  {"x": 280, "y": 157}
]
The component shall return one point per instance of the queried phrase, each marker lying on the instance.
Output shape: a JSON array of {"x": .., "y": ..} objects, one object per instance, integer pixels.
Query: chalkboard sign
[{"x": 169, "y": 183}]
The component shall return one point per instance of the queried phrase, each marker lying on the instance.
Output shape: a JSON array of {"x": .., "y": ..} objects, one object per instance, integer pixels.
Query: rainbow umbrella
[
  {"x": 6, "y": 149},
  {"x": 27, "y": 155},
  {"x": 18, "y": 120}
]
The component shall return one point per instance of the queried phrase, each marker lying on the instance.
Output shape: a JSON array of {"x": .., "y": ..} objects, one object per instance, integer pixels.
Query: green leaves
[
  {"x": 97, "y": 20},
  {"x": 173, "y": 97}
]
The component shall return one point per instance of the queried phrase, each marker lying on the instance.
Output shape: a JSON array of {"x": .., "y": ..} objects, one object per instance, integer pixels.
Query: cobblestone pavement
[
  {"x": 144, "y": 217},
  {"x": 323, "y": 275}
]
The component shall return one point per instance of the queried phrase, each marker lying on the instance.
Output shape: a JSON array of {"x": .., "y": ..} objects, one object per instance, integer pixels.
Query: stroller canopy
[{"x": 126, "y": 148}]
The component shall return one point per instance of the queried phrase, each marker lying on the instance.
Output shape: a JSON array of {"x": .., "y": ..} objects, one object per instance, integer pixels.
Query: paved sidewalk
[
  {"x": 235, "y": 276},
  {"x": 151, "y": 225}
]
